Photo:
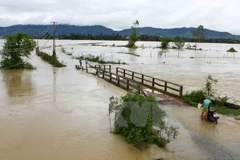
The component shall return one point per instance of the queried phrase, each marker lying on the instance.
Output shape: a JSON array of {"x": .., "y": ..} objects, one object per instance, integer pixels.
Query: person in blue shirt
[
  {"x": 205, "y": 107},
  {"x": 86, "y": 62}
]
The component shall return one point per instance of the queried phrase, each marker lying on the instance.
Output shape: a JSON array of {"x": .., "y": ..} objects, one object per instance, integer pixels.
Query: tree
[
  {"x": 165, "y": 41},
  {"x": 133, "y": 36},
  {"x": 198, "y": 34},
  {"x": 179, "y": 42},
  {"x": 16, "y": 47}
]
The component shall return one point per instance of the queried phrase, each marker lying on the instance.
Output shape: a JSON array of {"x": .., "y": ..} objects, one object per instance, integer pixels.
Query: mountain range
[{"x": 62, "y": 29}]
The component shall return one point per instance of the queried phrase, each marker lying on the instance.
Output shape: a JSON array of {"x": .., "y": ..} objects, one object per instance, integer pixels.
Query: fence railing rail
[{"x": 153, "y": 83}]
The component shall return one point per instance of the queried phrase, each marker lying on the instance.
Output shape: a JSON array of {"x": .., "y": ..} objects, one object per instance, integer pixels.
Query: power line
[
  {"x": 53, "y": 31},
  {"x": 46, "y": 36},
  {"x": 23, "y": 61}
]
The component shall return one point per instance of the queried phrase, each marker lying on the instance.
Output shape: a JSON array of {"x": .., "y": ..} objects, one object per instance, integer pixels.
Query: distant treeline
[{"x": 78, "y": 36}]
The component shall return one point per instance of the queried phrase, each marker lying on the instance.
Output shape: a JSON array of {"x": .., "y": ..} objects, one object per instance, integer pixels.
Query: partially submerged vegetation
[
  {"x": 133, "y": 36},
  {"x": 130, "y": 53},
  {"x": 64, "y": 51},
  {"x": 98, "y": 59},
  {"x": 219, "y": 103},
  {"x": 51, "y": 59},
  {"x": 178, "y": 42},
  {"x": 17, "y": 47},
  {"x": 140, "y": 120}
]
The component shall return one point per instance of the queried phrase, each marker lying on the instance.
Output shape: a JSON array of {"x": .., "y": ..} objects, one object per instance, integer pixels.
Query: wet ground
[{"x": 61, "y": 113}]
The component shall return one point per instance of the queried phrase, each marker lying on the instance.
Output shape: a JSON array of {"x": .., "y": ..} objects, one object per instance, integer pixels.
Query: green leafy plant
[
  {"x": 165, "y": 41},
  {"x": 51, "y": 59},
  {"x": 219, "y": 103},
  {"x": 16, "y": 47},
  {"x": 179, "y": 42},
  {"x": 133, "y": 36},
  {"x": 140, "y": 120},
  {"x": 194, "y": 97},
  {"x": 208, "y": 89}
]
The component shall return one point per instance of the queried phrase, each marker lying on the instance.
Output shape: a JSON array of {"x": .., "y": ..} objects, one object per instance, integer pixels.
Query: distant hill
[{"x": 42, "y": 30}]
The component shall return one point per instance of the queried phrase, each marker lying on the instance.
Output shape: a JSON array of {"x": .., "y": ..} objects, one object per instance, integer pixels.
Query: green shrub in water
[
  {"x": 51, "y": 59},
  {"x": 140, "y": 120}
]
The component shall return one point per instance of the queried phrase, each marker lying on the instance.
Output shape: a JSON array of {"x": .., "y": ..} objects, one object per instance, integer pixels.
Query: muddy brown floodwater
[{"x": 61, "y": 114}]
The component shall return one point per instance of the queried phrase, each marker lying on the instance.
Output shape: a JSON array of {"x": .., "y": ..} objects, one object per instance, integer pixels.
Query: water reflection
[
  {"x": 54, "y": 84},
  {"x": 133, "y": 53},
  {"x": 18, "y": 83}
]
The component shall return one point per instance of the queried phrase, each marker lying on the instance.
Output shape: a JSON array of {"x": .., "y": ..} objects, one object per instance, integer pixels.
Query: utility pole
[
  {"x": 54, "y": 34},
  {"x": 37, "y": 38},
  {"x": 37, "y": 48}
]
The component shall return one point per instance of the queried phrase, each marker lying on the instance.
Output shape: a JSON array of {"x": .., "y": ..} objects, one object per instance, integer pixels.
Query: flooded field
[{"x": 52, "y": 113}]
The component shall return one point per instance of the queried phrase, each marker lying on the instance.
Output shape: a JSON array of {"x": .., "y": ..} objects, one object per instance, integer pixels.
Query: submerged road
[{"x": 221, "y": 141}]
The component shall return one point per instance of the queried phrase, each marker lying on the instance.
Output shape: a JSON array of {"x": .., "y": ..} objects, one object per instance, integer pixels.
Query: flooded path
[
  {"x": 221, "y": 141},
  {"x": 61, "y": 114}
]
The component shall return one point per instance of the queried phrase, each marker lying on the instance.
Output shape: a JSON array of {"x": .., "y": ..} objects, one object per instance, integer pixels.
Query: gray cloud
[{"x": 219, "y": 15}]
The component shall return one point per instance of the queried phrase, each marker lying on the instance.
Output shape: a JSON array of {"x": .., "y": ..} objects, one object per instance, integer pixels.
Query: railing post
[
  {"x": 165, "y": 87},
  {"x": 153, "y": 82},
  {"x": 132, "y": 75},
  {"x": 127, "y": 84},
  {"x": 118, "y": 79},
  {"x": 110, "y": 77},
  {"x": 104, "y": 67},
  {"x": 181, "y": 91},
  {"x": 97, "y": 71},
  {"x": 110, "y": 68},
  {"x": 142, "y": 79},
  {"x": 124, "y": 73},
  {"x": 117, "y": 70},
  {"x": 103, "y": 73},
  {"x": 86, "y": 68}
]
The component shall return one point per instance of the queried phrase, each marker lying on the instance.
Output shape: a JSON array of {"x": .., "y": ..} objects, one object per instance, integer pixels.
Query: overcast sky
[{"x": 220, "y": 15}]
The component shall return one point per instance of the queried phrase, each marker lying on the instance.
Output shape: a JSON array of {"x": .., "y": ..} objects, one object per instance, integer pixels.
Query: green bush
[
  {"x": 165, "y": 41},
  {"x": 226, "y": 111},
  {"x": 194, "y": 97},
  {"x": 11, "y": 64},
  {"x": 16, "y": 47},
  {"x": 140, "y": 121},
  {"x": 51, "y": 59},
  {"x": 218, "y": 102}
]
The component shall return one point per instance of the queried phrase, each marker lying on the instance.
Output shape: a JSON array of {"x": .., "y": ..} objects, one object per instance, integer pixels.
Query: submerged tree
[
  {"x": 198, "y": 34},
  {"x": 165, "y": 41},
  {"x": 140, "y": 120},
  {"x": 16, "y": 47},
  {"x": 179, "y": 42},
  {"x": 133, "y": 36}
]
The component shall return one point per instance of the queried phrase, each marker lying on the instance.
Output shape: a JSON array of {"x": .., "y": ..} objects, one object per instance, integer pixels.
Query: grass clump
[
  {"x": 194, "y": 97},
  {"x": 98, "y": 59},
  {"x": 140, "y": 121},
  {"x": 51, "y": 59}
]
